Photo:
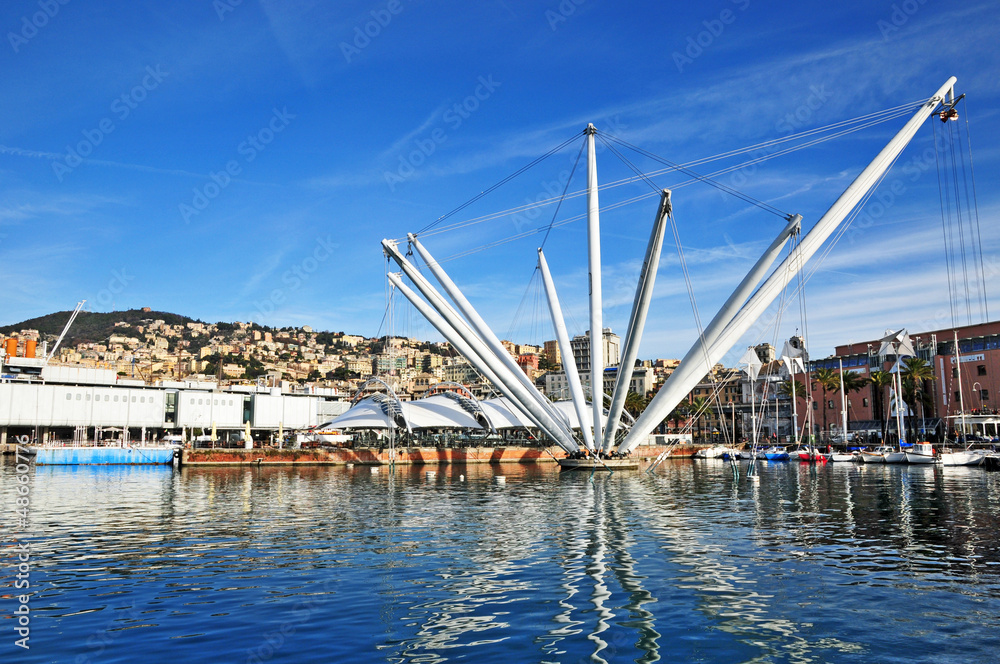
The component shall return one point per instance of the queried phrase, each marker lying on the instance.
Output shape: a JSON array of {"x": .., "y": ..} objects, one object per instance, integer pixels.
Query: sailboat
[
  {"x": 841, "y": 456},
  {"x": 968, "y": 456}
]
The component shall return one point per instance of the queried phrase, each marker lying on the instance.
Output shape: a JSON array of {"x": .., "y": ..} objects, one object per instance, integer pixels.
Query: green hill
[{"x": 91, "y": 327}]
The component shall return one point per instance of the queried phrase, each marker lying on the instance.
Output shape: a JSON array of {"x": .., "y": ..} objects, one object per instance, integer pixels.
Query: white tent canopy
[{"x": 442, "y": 411}]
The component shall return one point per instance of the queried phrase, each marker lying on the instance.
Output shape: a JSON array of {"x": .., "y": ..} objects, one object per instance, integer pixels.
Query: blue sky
[{"x": 238, "y": 161}]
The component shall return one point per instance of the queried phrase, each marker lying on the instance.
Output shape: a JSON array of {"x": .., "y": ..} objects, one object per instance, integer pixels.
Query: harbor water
[{"x": 838, "y": 563}]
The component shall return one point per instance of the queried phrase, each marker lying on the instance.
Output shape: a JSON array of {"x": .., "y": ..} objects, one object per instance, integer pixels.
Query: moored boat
[
  {"x": 714, "y": 452},
  {"x": 967, "y": 457},
  {"x": 875, "y": 456},
  {"x": 921, "y": 453},
  {"x": 776, "y": 453}
]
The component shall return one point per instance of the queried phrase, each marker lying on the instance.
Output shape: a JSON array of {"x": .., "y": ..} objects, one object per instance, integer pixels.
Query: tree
[
  {"x": 829, "y": 381},
  {"x": 635, "y": 404},
  {"x": 852, "y": 383},
  {"x": 697, "y": 408},
  {"x": 915, "y": 377},
  {"x": 879, "y": 380},
  {"x": 785, "y": 390},
  {"x": 678, "y": 414}
]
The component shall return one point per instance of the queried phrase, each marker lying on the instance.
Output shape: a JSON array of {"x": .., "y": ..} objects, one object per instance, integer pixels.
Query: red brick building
[{"x": 979, "y": 348}]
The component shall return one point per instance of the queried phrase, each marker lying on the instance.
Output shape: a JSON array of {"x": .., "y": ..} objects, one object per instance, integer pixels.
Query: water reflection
[{"x": 682, "y": 564}]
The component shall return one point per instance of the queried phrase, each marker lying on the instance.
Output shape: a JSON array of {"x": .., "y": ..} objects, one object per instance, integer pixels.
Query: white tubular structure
[
  {"x": 527, "y": 399},
  {"x": 483, "y": 331},
  {"x": 482, "y": 365},
  {"x": 637, "y": 321},
  {"x": 596, "y": 298},
  {"x": 697, "y": 363},
  {"x": 569, "y": 364},
  {"x": 706, "y": 353}
]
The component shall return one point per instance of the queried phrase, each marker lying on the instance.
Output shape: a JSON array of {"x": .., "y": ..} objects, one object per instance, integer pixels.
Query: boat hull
[
  {"x": 103, "y": 456},
  {"x": 920, "y": 458},
  {"x": 963, "y": 458}
]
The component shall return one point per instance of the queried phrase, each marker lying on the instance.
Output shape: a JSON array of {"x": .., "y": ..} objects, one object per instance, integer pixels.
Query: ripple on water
[{"x": 328, "y": 564}]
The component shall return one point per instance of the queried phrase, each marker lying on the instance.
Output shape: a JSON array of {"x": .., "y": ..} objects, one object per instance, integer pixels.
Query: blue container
[{"x": 103, "y": 456}]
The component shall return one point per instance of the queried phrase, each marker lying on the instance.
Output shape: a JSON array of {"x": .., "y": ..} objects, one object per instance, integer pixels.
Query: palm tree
[
  {"x": 678, "y": 415},
  {"x": 635, "y": 403},
  {"x": 916, "y": 374},
  {"x": 785, "y": 390},
  {"x": 852, "y": 383},
  {"x": 829, "y": 380},
  {"x": 697, "y": 408},
  {"x": 879, "y": 380}
]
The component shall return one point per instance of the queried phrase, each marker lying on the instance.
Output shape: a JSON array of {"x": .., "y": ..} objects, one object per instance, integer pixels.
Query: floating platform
[
  {"x": 590, "y": 463},
  {"x": 103, "y": 456}
]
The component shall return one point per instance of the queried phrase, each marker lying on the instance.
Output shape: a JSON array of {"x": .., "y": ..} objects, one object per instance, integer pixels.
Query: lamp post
[{"x": 978, "y": 388}]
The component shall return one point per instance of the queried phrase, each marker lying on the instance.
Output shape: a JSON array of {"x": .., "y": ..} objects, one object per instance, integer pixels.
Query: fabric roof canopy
[{"x": 442, "y": 412}]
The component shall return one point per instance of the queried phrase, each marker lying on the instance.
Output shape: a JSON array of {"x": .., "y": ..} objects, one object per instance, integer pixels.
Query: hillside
[{"x": 91, "y": 327}]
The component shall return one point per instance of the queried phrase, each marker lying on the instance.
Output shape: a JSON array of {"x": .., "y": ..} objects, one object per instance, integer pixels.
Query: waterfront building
[{"x": 868, "y": 408}]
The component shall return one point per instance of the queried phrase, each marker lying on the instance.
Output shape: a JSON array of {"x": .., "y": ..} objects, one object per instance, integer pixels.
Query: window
[
  {"x": 984, "y": 395},
  {"x": 829, "y": 404},
  {"x": 142, "y": 399},
  {"x": 864, "y": 401},
  {"x": 107, "y": 398},
  {"x": 133, "y": 399},
  {"x": 88, "y": 397},
  {"x": 981, "y": 369},
  {"x": 78, "y": 397},
  {"x": 199, "y": 402},
  {"x": 192, "y": 401},
  {"x": 68, "y": 396},
  {"x": 958, "y": 397},
  {"x": 815, "y": 405},
  {"x": 116, "y": 398}
]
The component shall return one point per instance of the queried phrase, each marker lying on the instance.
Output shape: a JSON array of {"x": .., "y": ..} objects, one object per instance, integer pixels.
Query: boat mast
[
  {"x": 900, "y": 404},
  {"x": 843, "y": 403},
  {"x": 596, "y": 300},
  {"x": 958, "y": 373}
]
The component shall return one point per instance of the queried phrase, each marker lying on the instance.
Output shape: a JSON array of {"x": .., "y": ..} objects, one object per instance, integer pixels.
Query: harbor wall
[{"x": 375, "y": 456}]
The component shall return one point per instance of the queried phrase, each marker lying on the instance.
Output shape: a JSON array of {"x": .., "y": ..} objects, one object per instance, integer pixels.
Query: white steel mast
[
  {"x": 596, "y": 300},
  {"x": 706, "y": 354},
  {"x": 637, "y": 321},
  {"x": 566, "y": 349}
]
